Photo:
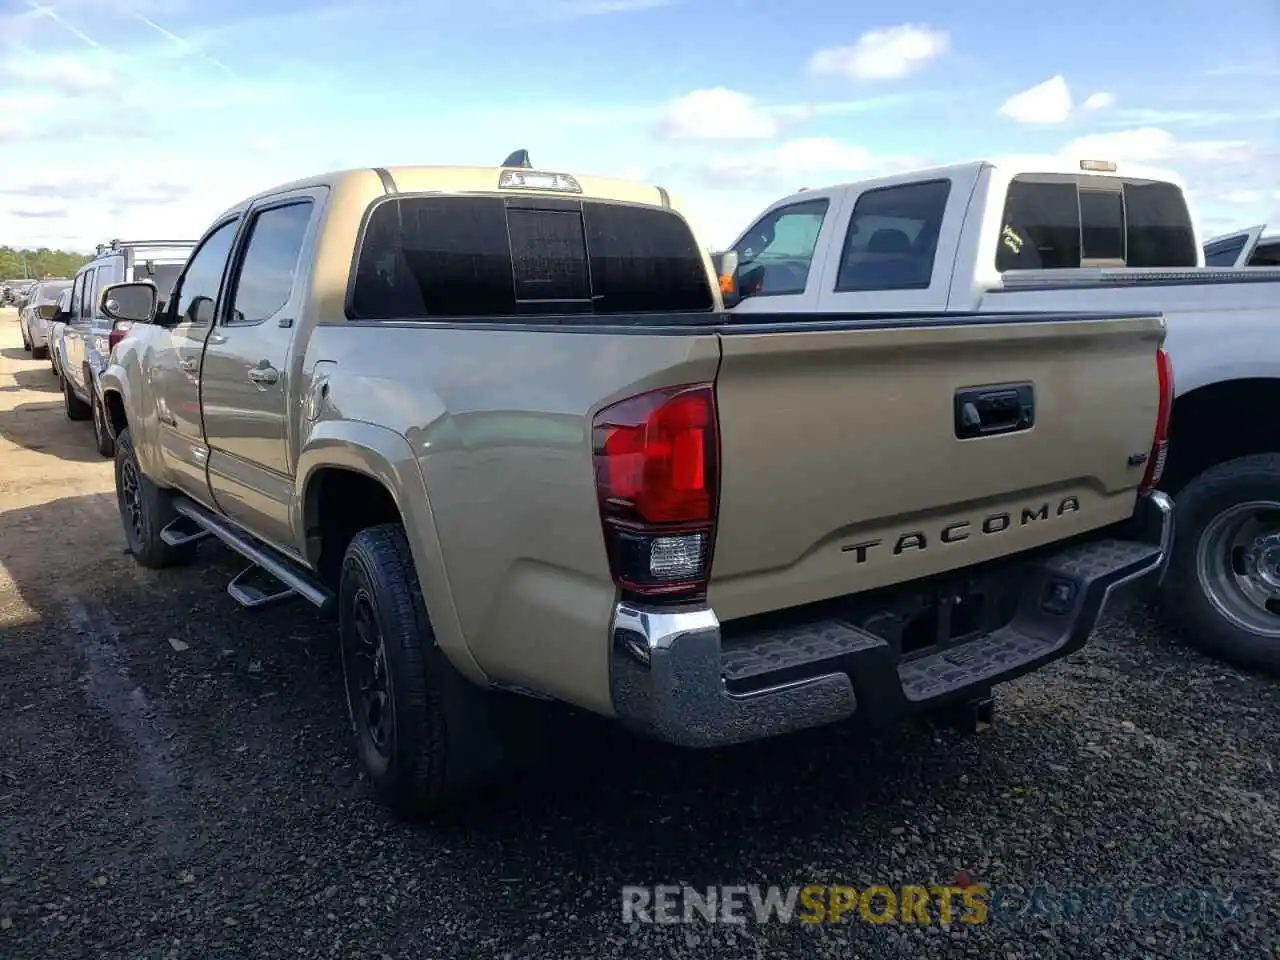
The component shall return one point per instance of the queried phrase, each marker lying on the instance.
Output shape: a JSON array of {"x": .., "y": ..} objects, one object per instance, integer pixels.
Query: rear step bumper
[{"x": 671, "y": 671}]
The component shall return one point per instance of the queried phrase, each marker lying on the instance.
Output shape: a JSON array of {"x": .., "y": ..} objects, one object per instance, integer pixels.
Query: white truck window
[
  {"x": 1053, "y": 223},
  {"x": 893, "y": 237},
  {"x": 775, "y": 255}
]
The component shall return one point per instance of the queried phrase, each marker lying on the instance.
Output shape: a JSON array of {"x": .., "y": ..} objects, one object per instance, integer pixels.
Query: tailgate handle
[{"x": 991, "y": 411}]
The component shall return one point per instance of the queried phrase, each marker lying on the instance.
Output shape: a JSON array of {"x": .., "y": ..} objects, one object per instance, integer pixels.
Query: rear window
[
  {"x": 1224, "y": 252},
  {"x": 448, "y": 257},
  {"x": 1058, "y": 224}
]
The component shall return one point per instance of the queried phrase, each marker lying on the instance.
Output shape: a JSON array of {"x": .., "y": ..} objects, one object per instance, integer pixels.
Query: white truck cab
[{"x": 1047, "y": 234}]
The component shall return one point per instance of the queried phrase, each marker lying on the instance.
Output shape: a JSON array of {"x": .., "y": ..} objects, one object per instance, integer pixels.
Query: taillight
[
  {"x": 119, "y": 330},
  {"x": 657, "y": 464},
  {"x": 1164, "y": 413}
]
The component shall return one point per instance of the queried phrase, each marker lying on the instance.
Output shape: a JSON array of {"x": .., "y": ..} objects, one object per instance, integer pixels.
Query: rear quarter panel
[{"x": 497, "y": 422}]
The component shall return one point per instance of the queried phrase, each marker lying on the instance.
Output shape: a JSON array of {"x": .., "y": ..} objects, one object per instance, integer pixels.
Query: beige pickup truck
[{"x": 497, "y": 420}]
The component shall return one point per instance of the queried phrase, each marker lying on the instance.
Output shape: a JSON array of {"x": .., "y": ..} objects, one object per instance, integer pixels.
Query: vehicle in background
[
  {"x": 496, "y": 418},
  {"x": 57, "y": 327},
  {"x": 87, "y": 335},
  {"x": 34, "y": 319},
  {"x": 1032, "y": 235},
  {"x": 1254, "y": 247}
]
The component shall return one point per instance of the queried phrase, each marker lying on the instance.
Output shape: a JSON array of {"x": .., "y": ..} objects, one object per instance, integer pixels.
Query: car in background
[
  {"x": 57, "y": 327},
  {"x": 35, "y": 317},
  {"x": 87, "y": 336}
]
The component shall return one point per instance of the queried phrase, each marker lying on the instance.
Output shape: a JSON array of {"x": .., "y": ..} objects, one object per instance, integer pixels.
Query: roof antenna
[{"x": 519, "y": 158}]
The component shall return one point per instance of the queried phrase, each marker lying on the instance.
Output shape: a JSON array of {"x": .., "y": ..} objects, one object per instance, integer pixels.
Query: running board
[
  {"x": 288, "y": 572},
  {"x": 183, "y": 531},
  {"x": 263, "y": 593}
]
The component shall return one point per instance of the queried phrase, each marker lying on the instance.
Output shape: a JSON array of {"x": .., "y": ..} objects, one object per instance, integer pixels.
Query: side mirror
[
  {"x": 134, "y": 302},
  {"x": 47, "y": 311},
  {"x": 727, "y": 269}
]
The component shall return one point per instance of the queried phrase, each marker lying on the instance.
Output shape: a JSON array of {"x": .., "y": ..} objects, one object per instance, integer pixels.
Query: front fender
[{"x": 385, "y": 456}]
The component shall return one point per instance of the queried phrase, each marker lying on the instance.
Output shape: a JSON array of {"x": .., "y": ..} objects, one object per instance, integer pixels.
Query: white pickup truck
[{"x": 1024, "y": 235}]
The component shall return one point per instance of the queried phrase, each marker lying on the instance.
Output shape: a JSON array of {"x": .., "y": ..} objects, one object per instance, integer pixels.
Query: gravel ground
[{"x": 175, "y": 782}]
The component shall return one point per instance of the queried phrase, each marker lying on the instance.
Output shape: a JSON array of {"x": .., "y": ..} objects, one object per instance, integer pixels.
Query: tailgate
[{"x": 842, "y": 468}]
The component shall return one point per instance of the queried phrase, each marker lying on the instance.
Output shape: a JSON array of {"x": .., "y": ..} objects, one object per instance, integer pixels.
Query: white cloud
[
  {"x": 885, "y": 54},
  {"x": 1156, "y": 145},
  {"x": 1045, "y": 103},
  {"x": 717, "y": 114},
  {"x": 66, "y": 74},
  {"x": 792, "y": 162},
  {"x": 1099, "y": 101},
  {"x": 1244, "y": 198}
]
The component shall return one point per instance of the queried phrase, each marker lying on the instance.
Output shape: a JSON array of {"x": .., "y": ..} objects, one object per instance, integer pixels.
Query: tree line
[{"x": 17, "y": 263}]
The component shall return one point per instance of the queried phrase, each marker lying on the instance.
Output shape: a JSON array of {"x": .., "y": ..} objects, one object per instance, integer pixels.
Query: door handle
[
  {"x": 187, "y": 365},
  {"x": 991, "y": 411},
  {"x": 264, "y": 376}
]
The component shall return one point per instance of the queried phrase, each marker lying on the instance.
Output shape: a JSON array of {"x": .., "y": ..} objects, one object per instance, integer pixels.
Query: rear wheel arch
[{"x": 1218, "y": 422}]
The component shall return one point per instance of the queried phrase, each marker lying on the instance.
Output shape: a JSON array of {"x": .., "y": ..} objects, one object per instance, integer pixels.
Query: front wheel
[
  {"x": 75, "y": 408},
  {"x": 145, "y": 510},
  {"x": 1223, "y": 585},
  {"x": 424, "y": 735}
]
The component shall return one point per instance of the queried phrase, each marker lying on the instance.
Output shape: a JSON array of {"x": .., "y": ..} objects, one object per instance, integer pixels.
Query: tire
[
  {"x": 1205, "y": 597},
  {"x": 40, "y": 353},
  {"x": 76, "y": 408},
  {"x": 440, "y": 737},
  {"x": 145, "y": 510},
  {"x": 101, "y": 434},
  {"x": 26, "y": 341}
]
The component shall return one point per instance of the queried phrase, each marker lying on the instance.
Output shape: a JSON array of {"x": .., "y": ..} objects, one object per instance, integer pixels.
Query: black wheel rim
[
  {"x": 368, "y": 684},
  {"x": 131, "y": 499}
]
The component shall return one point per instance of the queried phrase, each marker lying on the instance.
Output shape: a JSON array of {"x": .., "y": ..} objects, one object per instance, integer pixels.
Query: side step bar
[{"x": 292, "y": 575}]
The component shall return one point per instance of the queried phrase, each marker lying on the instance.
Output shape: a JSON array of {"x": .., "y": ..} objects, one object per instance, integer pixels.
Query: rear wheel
[
  {"x": 40, "y": 353},
  {"x": 26, "y": 341},
  {"x": 1223, "y": 586},
  {"x": 76, "y": 408},
  {"x": 145, "y": 510},
  {"x": 101, "y": 433},
  {"x": 425, "y": 735}
]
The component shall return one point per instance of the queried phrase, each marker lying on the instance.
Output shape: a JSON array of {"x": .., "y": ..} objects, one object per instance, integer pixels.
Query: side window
[
  {"x": 893, "y": 238},
  {"x": 77, "y": 291},
  {"x": 86, "y": 296},
  {"x": 270, "y": 262},
  {"x": 1041, "y": 228},
  {"x": 101, "y": 277},
  {"x": 198, "y": 289},
  {"x": 1266, "y": 255},
  {"x": 775, "y": 255}
]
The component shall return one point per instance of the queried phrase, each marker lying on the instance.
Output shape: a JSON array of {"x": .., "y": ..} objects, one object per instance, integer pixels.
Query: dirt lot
[{"x": 174, "y": 782}]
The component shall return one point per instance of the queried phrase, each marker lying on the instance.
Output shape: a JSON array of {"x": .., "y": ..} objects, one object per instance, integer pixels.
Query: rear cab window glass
[
  {"x": 77, "y": 291},
  {"x": 892, "y": 239},
  {"x": 1060, "y": 223},
  {"x": 86, "y": 311},
  {"x": 270, "y": 262},
  {"x": 776, "y": 254},
  {"x": 445, "y": 257},
  {"x": 1223, "y": 253}
]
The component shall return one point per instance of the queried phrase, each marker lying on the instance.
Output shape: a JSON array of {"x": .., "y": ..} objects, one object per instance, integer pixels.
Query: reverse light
[
  {"x": 657, "y": 467},
  {"x": 119, "y": 330},
  {"x": 1164, "y": 414},
  {"x": 536, "y": 180}
]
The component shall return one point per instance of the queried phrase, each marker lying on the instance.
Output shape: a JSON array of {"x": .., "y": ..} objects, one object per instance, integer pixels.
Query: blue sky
[{"x": 149, "y": 116}]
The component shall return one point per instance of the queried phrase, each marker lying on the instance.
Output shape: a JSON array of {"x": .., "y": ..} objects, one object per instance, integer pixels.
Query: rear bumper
[{"x": 676, "y": 677}]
